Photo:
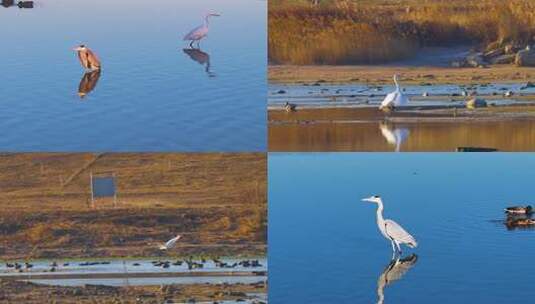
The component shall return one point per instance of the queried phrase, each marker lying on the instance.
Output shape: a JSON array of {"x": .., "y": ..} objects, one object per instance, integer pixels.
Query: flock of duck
[{"x": 190, "y": 262}]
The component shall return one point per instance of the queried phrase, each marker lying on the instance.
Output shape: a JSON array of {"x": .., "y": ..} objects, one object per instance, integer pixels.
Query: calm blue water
[
  {"x": 325, "y": 246},
  {"x": 151, "y": 94}
]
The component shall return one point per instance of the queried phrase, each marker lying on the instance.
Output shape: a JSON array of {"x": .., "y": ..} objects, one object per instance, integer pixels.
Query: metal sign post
[{"x": 103, "y": 185}]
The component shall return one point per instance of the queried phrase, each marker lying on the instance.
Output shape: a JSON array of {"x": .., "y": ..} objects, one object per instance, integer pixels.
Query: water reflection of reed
[
  {"x": 201, "y": 57},
  {"x": 393, "y": 272},
  {"x": 88, "y": 83},
  {"x": 501, "y": 135}
]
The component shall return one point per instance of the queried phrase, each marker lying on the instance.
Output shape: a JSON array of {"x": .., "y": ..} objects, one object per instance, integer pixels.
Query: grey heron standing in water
[
  {"x": 199, "y": 32},
  {"x": 390, "y": 229},
  {"x": 88, "y": 59}
]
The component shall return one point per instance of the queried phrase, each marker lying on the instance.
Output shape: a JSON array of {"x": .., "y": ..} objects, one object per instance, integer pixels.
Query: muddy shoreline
[
  {"x": 291, "y": 74},
  {"x": 25, "y": 292}
]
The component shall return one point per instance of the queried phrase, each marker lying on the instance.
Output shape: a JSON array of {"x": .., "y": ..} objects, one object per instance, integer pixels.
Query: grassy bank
[
  {"x": 368, "y": 32},
  {"x": 216, "y": 201}
]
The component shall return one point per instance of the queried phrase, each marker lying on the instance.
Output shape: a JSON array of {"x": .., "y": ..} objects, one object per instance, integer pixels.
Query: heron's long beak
[
  {"x": 368, "y": 199},
  {"x": 77, "y": 49},
  {"x": 215, "y": 14}
]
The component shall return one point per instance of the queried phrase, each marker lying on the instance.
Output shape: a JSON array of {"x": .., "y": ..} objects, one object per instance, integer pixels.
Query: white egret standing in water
[
  {"x": 390, "y": 229},
  {"x": 394, "y": 99},
  {"x": 170, "y": 244},
  {"x": 88, "y": 59},
  {"x": 199, "y": 32}
]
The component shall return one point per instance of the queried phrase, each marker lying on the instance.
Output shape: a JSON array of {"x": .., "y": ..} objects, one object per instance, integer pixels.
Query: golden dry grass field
[
  {"x": 217, "y": 202},
  {"x": 378, "y": 31}
]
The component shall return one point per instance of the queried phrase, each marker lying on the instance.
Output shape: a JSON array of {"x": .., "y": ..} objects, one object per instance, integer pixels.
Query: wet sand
[
  {"x": 506, "y": 128},
  {"x": 379, "y": 75},
  {"x": 25, "y": 292}
]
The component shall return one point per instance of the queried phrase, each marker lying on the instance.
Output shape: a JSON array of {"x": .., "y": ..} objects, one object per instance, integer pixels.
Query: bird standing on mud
[
  {"x": 170, "y": 244},
  {"x": 199, "y": 32},
  {"x": 390, "y": 229},
  {"x": 88, "y": 59},
  {"x": 394, "y": 99}
]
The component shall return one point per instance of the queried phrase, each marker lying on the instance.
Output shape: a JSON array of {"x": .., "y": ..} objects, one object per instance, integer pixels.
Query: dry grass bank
[
  {"x": 368, "y": 32},
  {"x": 216, "y": 201}
]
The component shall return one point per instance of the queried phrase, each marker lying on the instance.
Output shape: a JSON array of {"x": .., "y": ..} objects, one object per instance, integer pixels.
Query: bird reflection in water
[
  {"x": 201, "y": 57},
  {"x": 88, "y": 83},
  {"x": 394, "y": 136},
  {"x": 395, "y": 270}
]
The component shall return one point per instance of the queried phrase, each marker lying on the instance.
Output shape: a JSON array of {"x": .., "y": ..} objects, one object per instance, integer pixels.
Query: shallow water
[
  {"x": 120, "y": 266},
  {"x": 113, "y": 267},
  {"x": 151, "y": 94},
  {"x": 325, "y": 246},
  {"x": 363, "y": 95},
  {"x": 507, "y": 135}
]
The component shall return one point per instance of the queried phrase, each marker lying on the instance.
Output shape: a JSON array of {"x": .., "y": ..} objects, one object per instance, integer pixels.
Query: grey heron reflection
[
  {"x": 88, "y": 83},
  {"x": 200, "y": 57},
  {"x": 393, "y": 272}
]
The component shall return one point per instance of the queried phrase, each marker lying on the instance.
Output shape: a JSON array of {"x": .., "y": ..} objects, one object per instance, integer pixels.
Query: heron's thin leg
[
  {"x": 393, "y": 250},
  {"x": 191, "y": 43},
  {"x": 398, "y": 247}
]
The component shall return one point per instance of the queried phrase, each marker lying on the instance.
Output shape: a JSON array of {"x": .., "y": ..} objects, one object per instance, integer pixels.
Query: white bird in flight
[
  {"x": 390, "y": 229},
  {"x": 199, "y": 32},
  {"x": 170, "y": 244},
  {"x": 394, "y": 99},
  {"x": 88, "y": 59}
]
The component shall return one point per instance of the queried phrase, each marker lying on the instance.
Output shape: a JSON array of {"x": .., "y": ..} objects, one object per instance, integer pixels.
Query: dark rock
[
  {"x": 476, "y": 103},
  {"x": 525, "y": 58},
  {"x": 504, "y": 59}
]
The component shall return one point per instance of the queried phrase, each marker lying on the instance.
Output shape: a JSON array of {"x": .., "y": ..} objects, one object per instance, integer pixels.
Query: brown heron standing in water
[{"x": 88, "y": 59}]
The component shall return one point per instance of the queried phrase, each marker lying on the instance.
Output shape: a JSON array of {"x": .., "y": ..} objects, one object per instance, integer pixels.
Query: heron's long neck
[
  {"x": 380, "y": 218},
  {"x": 396, "y": 82},
  {"x": 206, "y": 20}
]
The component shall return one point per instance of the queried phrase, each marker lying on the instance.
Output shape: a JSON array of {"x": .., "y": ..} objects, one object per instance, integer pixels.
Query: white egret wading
[
  {"x": 88, "y": 59},
  {"x": 390, "y": 229},
  {"x": 199, "y": 32},
  {"x": 170, "y": 244},
  {"x": 394, "y": 99}
]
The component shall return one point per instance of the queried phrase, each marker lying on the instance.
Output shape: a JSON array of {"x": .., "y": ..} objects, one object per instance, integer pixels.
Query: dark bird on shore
[
  {"x": 289, "y": 107},
  {"x": 519, "y": 210},
  {"x": 88, "y": 59}
]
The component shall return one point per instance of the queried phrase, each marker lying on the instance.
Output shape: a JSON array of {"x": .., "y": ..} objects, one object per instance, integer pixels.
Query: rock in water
[
  {"x": 525, "y": 58},
  {"x": 476, "y": 103},
  {"x": 503, "y": 59}
]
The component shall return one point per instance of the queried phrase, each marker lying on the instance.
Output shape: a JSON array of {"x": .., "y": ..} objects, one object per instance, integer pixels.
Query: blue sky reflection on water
[{"x": 151, "y": 95}]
